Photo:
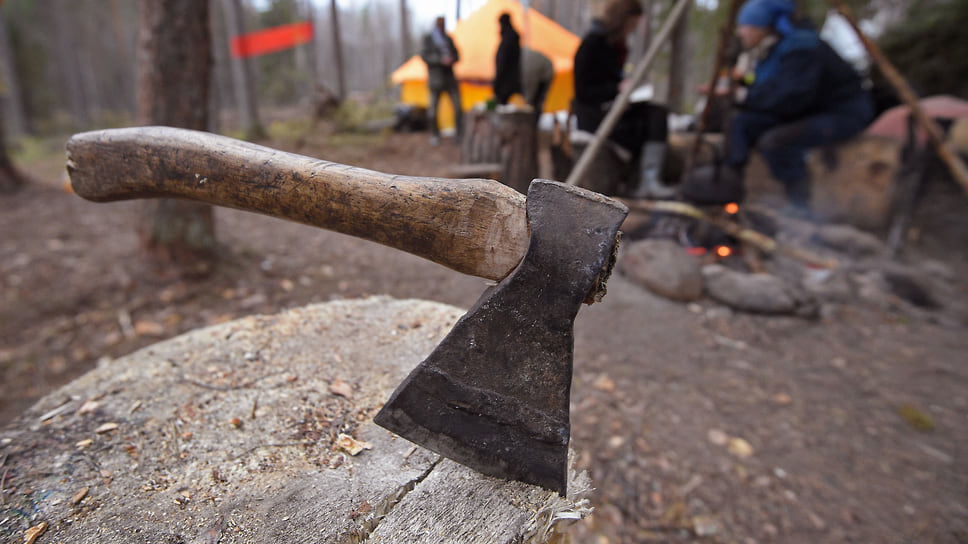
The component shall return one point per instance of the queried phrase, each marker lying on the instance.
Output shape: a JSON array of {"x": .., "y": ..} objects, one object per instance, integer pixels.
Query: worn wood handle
[{"x": 474, "y": 226}]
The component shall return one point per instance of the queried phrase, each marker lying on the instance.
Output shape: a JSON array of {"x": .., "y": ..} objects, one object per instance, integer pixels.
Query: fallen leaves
[
  {"x": 782, "y": 399},
  {"x": 916, "y": 418},
  {"x": 149, "y": 328},
  {"x": 717, "y": 437},
  {"x": 734, "y": 445},
  {"x": 341, "y": 388},
  {"x": 740, "y": 448},
  {"x": 605, "y": 384}
]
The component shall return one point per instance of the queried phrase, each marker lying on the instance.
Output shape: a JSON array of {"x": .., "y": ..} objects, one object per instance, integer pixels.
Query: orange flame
[
  {"x": 723, "y": 251},
  {"x": 732, "y": 208}
]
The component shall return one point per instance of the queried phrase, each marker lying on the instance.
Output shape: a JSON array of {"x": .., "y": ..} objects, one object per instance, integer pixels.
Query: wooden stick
[
  {"x": 749, "y": 236},
  {"x": 726, "y": 34},
  {"x": 908, "y": 96},
  {"x": 622, "y": 102}
]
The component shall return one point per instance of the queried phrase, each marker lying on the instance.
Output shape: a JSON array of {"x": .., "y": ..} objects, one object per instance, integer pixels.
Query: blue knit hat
[{"x": 767, "y": 13}]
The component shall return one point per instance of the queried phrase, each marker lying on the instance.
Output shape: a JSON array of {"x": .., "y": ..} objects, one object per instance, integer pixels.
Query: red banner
[{"x": 272, "y": 39}]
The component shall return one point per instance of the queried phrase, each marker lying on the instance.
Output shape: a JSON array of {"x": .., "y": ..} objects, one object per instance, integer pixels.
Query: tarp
[
  {"x": 893, "y": 122},
  {"x": 272, "y": 39},
  {"x": 477, "y": 37}
]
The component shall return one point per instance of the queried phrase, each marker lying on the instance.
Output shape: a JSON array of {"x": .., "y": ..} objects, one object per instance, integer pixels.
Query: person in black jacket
[
  {"x": 440, "y": 54},
  {"x": 798, "y": 94},
  {"x": 600, "y": 76},
  {"x": 507, "y": 62}
]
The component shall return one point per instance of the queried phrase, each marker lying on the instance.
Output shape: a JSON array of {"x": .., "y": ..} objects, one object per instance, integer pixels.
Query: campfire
[
  {"x": 752, "y": 258},
  {"x": 698, "y": 237}
]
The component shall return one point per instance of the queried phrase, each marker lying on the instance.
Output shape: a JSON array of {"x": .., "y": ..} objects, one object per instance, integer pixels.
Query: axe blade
[{"x": 494, "y": 395}]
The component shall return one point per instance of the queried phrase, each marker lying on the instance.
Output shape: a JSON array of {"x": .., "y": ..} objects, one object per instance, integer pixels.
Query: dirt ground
[{"x": 694, "y": 422}]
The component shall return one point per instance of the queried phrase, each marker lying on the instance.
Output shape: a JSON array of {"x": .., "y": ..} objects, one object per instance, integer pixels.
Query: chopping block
[{"x": 260, "y": 430}]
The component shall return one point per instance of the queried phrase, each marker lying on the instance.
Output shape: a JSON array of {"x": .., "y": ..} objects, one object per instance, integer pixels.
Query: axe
[{"x": 494, "y": 395}]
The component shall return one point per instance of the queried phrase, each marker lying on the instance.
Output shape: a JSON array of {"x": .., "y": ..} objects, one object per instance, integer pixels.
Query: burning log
[{"x": 746, "y": 235}]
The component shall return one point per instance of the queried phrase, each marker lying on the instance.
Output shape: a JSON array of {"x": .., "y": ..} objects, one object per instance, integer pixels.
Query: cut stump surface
[{"x": 243, "y": 432}]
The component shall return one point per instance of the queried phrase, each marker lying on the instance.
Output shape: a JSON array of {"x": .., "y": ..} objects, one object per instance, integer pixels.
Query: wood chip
[
  {"x": 32, "y": 534},
  {"x": 106, "y": 428},
  {"x": 351, "y": 445},
  {"x": 84, "y": 443},
  {"x": 88, "y": 407},
  {"x": 79, "y": 496},
  {"x": 341, "y": 388}
]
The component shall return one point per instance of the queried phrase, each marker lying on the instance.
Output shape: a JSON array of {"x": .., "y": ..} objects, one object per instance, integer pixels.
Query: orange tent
[{"x": 477, "y": 37}]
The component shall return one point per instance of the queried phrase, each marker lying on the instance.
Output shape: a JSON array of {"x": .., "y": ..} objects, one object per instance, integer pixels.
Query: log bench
[{"x": 259, "y": 430}]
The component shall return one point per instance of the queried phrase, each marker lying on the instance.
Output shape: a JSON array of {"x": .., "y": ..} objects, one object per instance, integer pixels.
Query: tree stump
[
  {"x": 260, "y": 430},
  {"x": 854, "y": 182},
  {"x": 507, "y": 140}
]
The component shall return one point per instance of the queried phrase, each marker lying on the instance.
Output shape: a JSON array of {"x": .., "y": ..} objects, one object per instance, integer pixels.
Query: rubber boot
[
  {"x": 650, "y": 173},
  {"x": 798, "y": 194}
]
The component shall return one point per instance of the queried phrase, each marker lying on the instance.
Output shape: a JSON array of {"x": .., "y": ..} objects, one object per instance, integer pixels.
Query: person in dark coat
[
  {"x": 797, "y": 93},
  {"x": 440, "y": 54},
  {"x": 599, "y": 72},
  {"x": 507, "y": 62}
]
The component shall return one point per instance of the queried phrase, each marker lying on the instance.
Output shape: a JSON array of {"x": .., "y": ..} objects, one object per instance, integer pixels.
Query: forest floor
[{"x": 695, "y": 423}]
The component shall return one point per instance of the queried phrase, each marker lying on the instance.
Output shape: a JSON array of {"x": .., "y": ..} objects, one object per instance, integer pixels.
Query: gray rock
[
  {"x": 663, "y": 267},
  {"x": 850, "y": 240},
  {"x": 828, "y": 285},
  {"x": 939, "y": 270},
  {"x": 884, "y": 282},
  {"x": 758, "y": 293}
]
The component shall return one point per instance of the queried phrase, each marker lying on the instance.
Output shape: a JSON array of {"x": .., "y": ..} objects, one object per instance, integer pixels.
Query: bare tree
[
  {"x": 10, "y": 178},
  {"x": 337, "y": 50},
  {"x": 174, "y": 51},
  {"x": 67, "y": 53},
  {"x": 243, "y": 87},
  {"x": 11, "y": 105},
  {"x": 405, "y": 39}
]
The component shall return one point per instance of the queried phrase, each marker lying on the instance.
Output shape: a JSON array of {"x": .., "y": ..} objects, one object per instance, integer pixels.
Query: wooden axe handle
[{"x": 474, "y": 226}]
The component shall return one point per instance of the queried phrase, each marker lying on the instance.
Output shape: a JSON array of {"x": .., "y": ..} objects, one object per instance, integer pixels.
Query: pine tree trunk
[
  {"x": 10, "y": 178},
  {"x": 11, "y": 104},
  {"x": 173, "y": 88},
  {"x": 69, "y": 67},
  {"x": 338, "y": 51},
  {"x": 245, "y": 100},
  {"x": 405, "y": 39}
]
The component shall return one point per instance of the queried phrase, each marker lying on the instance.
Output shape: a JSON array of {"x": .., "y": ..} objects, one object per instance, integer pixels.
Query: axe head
[{"x": 494, "y": 395}]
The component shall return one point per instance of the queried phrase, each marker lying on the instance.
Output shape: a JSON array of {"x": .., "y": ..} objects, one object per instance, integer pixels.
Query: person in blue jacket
[{"x": 797, "y": 93}]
